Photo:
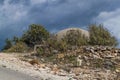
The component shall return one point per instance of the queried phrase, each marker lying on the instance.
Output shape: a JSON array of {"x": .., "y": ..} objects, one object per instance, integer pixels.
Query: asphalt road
[{"x": 7, "y": 74}]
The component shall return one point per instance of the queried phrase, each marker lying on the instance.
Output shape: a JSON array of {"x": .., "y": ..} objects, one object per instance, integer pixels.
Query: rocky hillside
[
  {"x": 83, "y": 63},
  {"x": 86, "y": 63}
]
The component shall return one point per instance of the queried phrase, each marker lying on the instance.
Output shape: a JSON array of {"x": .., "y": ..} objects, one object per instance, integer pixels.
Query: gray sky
[{"x": 17, "y": 15}]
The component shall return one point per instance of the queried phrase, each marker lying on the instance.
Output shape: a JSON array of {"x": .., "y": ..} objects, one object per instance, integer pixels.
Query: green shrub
[
  {"x": 7, "y": 45},
  {"x": 54, "y": 44},
  {"x": 18, "y": 47},
  {"x": 75, "y": 38},
  {"x": 40, "y": 51},
  {"x": 35, "y": 35},
  {"x": 52, "y": 41},
  {"x": 101, "y": 36}
]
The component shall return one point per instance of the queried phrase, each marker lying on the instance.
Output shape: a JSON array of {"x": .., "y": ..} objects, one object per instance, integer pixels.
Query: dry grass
[{"x": 34, "y": 61}]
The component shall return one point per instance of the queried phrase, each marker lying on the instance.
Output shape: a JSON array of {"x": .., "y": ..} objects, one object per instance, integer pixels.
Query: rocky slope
[
  {"x": 97, "y": 63},
  {"x": 13, "y": 62}
]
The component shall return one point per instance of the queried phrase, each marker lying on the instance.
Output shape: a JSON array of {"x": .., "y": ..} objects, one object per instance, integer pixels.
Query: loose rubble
[
  {"x": 96, "y": 63},
  {"x": 13, "y": 62}
]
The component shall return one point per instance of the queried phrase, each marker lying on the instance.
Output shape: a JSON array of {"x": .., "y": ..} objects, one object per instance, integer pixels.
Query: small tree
[
  {"x": 101, "y": 36},
  {"x": 16, "y": 39},
  {"x": 8, "y": 44},
  {"x": 35, "y": 35}
]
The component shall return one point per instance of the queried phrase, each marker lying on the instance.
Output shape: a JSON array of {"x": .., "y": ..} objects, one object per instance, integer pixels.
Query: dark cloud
[
  {"x": 70, "y": 12},
  {"x": 1, "y": 2},
  {"x": 25, "y": 2},
  {"x": 53, "y": 14}
]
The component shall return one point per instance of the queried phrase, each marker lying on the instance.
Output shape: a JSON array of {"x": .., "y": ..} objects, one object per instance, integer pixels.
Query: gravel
[{"x": 10, "y": 61}]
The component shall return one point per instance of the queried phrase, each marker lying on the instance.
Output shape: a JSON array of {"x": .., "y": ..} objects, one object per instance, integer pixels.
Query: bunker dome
[{"x": 63, "y": 33}]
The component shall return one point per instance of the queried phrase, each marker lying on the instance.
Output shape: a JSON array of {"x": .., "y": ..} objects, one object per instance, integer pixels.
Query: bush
[
  {"x": 41, "y": 51},
  {"x": 56, "y": 45},
  {"x": 52, "y": 41},
  {"x": 7, "y": 45},
  {"x": 35, "y": 35},
  {"x": 101, "y": 36},
  {"x": 18, "y": 47},
  {"x": 75, "y": 38}
]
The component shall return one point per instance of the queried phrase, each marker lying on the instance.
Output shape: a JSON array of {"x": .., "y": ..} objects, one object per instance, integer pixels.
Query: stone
[
  {"x": 116, "y": 51},
  {"x": 59, "y": 56},
  {"x": 109, "y": 48},
  {"x": 87, "y": 49},
  {"x": 103, "y": 49},
  {"x": 92, "y": 51},
  {"x": 34, "y": 61},
  {"x": 108, "y": 64},
  {"x": 4, "y": 66},
  {"x": 55, "y": 51},
  {"x": 96, "y": 57},
  {"x": 62, "y": 73},
  {"x": 118, "y": 70},
  {"x": 42, "y": 65}
]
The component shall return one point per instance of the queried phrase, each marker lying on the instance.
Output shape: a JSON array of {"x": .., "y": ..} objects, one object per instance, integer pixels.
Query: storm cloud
[
  {"x": 17, "y": 15},
  {"x": 111, "y": 20}
]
